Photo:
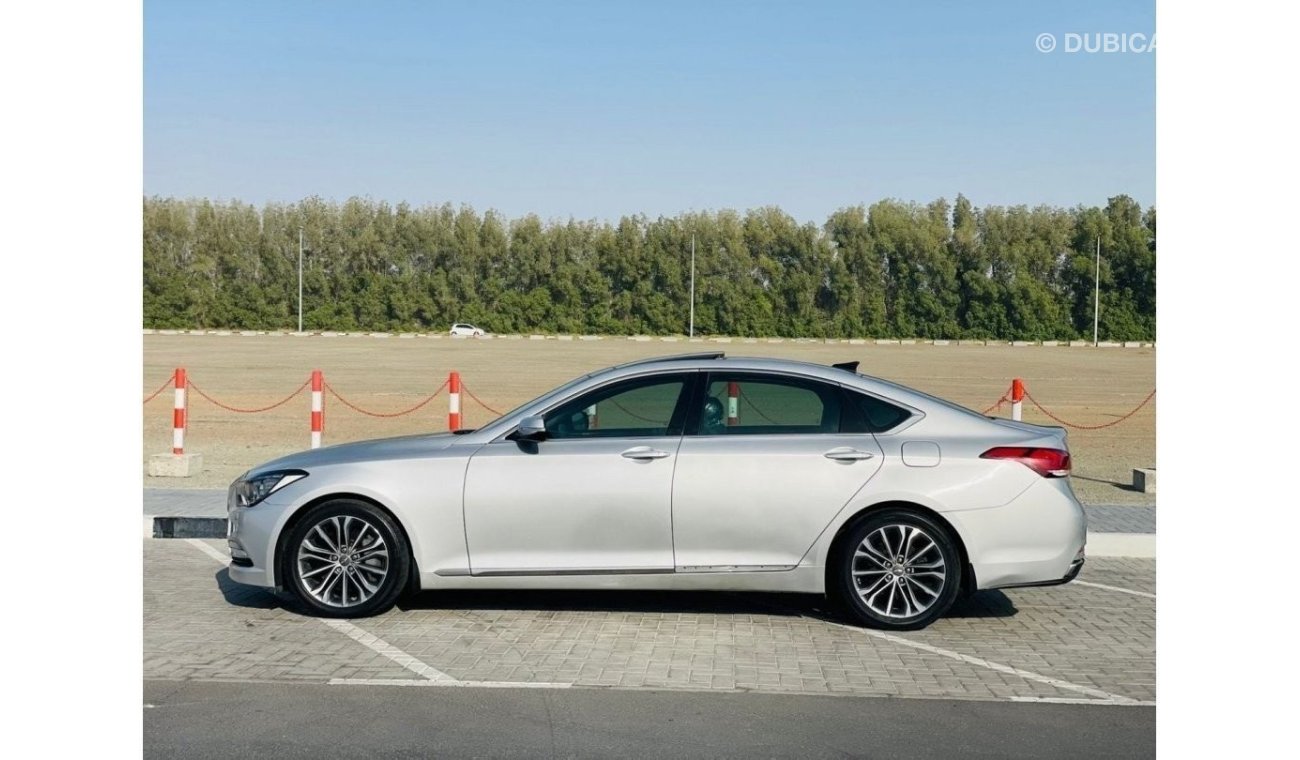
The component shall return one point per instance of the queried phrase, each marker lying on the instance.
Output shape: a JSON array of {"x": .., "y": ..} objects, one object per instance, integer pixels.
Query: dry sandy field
[{"x": 1084, "y": 386}]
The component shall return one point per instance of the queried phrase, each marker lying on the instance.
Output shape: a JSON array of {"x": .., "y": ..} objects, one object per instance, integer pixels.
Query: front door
[{"x": 594, "y": 497}]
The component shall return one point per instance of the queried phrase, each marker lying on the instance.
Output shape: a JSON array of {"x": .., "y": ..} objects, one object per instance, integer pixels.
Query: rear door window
[{"x": 762, "y": 404}]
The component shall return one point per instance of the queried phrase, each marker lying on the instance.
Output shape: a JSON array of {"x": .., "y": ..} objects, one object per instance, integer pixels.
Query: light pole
[
  {"x": 692, "y": 327},
  {"x": 300, "y": 279},
  {"x": 1096, "y": 294}
]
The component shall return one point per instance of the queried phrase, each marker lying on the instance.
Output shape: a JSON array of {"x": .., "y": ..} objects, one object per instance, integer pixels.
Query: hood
[{"x": 403, "y": 447}]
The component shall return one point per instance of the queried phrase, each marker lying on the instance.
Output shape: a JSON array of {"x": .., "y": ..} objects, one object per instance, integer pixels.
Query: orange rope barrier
[
  {"x": 385, "y": 415},
  {"x": 258, "y": 410},
  {"x": 470, "y": 393},
  {"x": 163, "y": 387},
  {"x": 1135, "y": 410}
]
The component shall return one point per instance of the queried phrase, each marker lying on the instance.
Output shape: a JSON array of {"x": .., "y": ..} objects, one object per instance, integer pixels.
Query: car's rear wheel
[
  {"x": 897, "y": 570},
  {"x": 346, "y": 558}
]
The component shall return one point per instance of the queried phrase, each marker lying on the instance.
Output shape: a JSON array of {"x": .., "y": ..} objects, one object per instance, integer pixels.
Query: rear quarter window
[{"x": 873, "y": 415}]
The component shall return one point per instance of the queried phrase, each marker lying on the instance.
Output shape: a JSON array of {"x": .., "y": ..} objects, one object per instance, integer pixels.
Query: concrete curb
[
  {"x": 674, "y": 338},
  {"x": 1139, "y": 545}
]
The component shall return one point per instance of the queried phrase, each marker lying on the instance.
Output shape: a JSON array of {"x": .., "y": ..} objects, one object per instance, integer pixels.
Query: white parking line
[
  {"x": 1102, "y": 697},
  {"x": 356, "y": 634},
  {"x": 1114, "y": 588},
  {"x": 999, "y": 667},
  {"x": 208, "y": 550},
  {"x": 433, "y": 677},
  {"x": 1071, "y": 701},
  {"x": 388, "y": 650},
  {"x": 463, "y": 684}
]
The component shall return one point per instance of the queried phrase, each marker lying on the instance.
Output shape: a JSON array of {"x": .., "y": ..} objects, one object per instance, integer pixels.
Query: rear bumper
[
  {"x": 1070, "y": 575},
  {"x": 1037, "y": 539}
]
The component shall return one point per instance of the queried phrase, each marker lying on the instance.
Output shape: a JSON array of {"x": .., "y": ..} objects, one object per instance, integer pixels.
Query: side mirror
[{"x": 531, "y": 429}]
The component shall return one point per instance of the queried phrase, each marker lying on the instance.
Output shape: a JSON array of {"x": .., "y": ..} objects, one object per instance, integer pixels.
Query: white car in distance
[{"x": 466, "y": 330}]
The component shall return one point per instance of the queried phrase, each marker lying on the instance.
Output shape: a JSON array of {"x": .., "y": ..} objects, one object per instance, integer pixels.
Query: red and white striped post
[
  {"x": 317, "y": 407},
  {"x": 453, "y": 401},
  {"x": 1017, "y": 396},
  {"x": 178, "y": 413},
  {"x": 733, "y": 403}
]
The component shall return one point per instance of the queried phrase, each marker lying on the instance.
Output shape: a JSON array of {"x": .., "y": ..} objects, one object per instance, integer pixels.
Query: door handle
[
  {"x": 643, "y": 453},
  {"x": 847, "y": 454}
]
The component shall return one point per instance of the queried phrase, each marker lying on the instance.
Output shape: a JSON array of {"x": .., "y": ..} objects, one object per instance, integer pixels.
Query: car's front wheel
[
  {"x": 346, "y": 558},
  {"x": 898, "y": 570}
]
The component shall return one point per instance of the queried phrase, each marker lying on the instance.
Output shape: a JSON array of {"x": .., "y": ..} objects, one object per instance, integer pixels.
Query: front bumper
[{"x": 251, "y": 536}]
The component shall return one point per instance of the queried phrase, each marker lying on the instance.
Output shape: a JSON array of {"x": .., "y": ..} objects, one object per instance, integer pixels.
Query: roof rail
[{"x": 674, "y": 358}]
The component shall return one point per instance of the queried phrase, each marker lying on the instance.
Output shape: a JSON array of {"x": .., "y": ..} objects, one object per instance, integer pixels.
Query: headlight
[{"x": 250, "y": 491}]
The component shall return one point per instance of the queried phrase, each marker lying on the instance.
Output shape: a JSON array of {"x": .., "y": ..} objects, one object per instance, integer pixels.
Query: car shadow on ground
[
  {"x": 984, "y": 604},
  {"x": 239, "y": 595},
  {"x": 1115, "y": 483}
]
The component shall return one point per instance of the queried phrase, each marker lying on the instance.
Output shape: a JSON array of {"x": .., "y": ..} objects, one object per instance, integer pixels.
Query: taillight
[{"x": 1050, "y": 463}]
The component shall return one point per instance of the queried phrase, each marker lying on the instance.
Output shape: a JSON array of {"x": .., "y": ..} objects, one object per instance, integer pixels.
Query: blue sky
[{"x": 599, "y": 109}]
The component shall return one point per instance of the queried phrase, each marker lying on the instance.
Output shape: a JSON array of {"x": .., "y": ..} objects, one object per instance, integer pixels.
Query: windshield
[{"x": 544, "y": 397}]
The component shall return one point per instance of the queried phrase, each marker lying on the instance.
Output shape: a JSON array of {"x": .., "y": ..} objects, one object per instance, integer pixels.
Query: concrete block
[
  {"x": 1132, "y": 344},
  {"x": 564, "y": 337},
  {"x": 168, "y": 332},
  {"x": 669, "y": 339},
  {"x": 720, "y": 340},
  {"x": 1144, "y": 479},
  {"x": 857, "y": 341},
  {"x": 749, "y": 340},
  {"x": 1077, "y": 343},
  {"x": 776, "y": 340},
  {"x": 695, "y": 340},
  {"x": 436, "y": 336},
  {"x": 968, "y": 342},
  {"x": 907, "y": 342},
  {"x": 639, "y": 338},
  {"x": 188, "y": 527},
  {"x": 250, "y": 332},
  {"x": 407, "y": 336},
  {"x": 537, "y": 337},
  {"x": 147, "y": 331},
  {"x": 1107, "y": 344},
  {"x": 1051, "y": 343},
  {"x": 1021, "y": 343},
  {"x": 381, "y": 335},
  {"x": 591, "y": 337},
  {"x": 942, "y": 342},
  {"x": 175, "y": 465},
  {"x": 222, "y": 332},
  {"x": 996, "y": 343},
  {"x": 886, "y": 342}
]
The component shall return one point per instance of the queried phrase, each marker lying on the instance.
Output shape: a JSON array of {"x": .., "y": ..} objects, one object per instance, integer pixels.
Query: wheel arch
[
  {"x": 277, "y": 560},
  {"x": 838, "y": 543}
]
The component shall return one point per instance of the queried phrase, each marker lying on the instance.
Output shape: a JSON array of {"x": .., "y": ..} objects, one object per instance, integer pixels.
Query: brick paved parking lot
[{"x": 1091, "y": 640}]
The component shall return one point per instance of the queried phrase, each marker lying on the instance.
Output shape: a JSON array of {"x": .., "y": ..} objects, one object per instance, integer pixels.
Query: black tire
[
  {"x": 360, "y": 563},
  {"x": 852, "y": 570}
]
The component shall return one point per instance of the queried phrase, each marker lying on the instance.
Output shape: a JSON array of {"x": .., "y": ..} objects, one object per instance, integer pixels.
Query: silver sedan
[{"x": 687, "y": 472}]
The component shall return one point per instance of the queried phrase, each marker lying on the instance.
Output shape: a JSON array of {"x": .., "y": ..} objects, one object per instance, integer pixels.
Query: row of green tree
[{"x": 891, "y": 270}]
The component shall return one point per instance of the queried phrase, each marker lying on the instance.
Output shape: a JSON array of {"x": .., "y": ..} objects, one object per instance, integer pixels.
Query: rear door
[{"x": 764, "y": 467}]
